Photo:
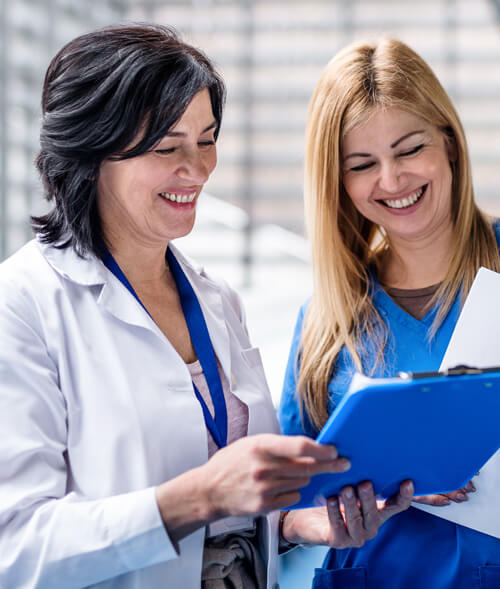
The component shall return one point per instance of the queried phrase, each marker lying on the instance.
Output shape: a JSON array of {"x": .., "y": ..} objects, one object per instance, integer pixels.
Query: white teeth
[
  {"x": 409, "y": 200},
  {"x": 178, "y": 197}
]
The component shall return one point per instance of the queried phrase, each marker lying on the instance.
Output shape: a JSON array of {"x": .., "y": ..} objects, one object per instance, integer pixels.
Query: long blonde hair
[{"x": 360, "y": 77}]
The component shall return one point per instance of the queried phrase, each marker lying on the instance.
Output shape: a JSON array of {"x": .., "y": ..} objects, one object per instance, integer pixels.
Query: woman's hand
[
  {"x": 251, "y": 476},
  {"x": 261, "y": 473},
  {"x": 446, "y": 498},
  {"x": 348, "y": 524}
]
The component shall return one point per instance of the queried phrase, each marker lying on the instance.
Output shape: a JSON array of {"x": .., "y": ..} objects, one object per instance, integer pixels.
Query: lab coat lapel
[
  {"x": 117, "y": 300},
  {"x": 90, "y": 271}
]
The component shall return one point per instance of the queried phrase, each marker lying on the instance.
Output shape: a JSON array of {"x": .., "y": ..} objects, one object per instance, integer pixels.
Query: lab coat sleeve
[{"x": 49, "y": 538}]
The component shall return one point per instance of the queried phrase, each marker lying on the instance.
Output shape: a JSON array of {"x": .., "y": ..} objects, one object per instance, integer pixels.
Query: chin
[{"x": 180, "y": 231}]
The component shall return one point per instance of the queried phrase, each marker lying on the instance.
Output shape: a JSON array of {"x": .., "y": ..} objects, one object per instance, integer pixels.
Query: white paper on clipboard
[{"x": 476, "y": 342}]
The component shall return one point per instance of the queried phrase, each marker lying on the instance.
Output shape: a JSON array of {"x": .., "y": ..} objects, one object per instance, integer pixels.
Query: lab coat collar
[
  {"x": 86, "y": 270},
  {"x": 115, "y": 298},
  {"x": 89, "y": 270}
]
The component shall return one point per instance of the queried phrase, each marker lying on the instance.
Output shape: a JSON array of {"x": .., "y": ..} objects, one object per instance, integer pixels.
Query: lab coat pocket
[
  {"x": 489, "y": 576},
  {"x": 354, "y": 578}
]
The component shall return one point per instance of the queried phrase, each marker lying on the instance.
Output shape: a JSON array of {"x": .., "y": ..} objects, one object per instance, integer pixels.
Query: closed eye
[
  {"x": 206, "y": 143},
  {"x": 413, "y": 150},
  {"x": 361, "y": 167},
  {"x": 165, "y": 151}
]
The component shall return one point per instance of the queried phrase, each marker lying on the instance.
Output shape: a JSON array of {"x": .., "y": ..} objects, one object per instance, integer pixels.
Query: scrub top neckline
[{"x": 390, "y": 306}]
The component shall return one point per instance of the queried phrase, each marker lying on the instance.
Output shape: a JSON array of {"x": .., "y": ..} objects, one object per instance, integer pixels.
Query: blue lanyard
[{"x": 201, "y": 342}]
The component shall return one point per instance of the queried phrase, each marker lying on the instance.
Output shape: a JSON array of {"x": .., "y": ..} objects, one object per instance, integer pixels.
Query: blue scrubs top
[{"x": 412, "y": 550}]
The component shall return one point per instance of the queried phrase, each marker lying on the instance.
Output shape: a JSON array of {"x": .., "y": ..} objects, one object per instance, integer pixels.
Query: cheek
[
  {"x": 211, "y": 161},
  {"x": 109, "y": 183},
  {"x": 437, "y": 165},
  {"x": 356, "y": 191},
  {"x": 436, "y": 168},
  {"x": 441, "y": 172}
]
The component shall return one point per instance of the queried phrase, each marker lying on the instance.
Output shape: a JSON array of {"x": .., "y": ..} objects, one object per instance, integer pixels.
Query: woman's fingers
[
  {"x": 399, "y": 502},
  {"x": 349, "y": 519},
  {"x": 298, "y": 456},
  {"x": 295, "y": 447},
  {"x": 353, "y": 517},
  {"x": 362, "y": 519},
  {"x": 369, "y": 509},
  {"x": 353, "y": 523},
  {"x": 308, "y": 467},
  {"x": 436, "y": 500},
  {"x": 470, "y": 487},
  {"x": 338, "y": 536},
  {"x": 462, "y": 494},
  {"x": 259, "y": 473},
  {"x": 458, "y": 496}
]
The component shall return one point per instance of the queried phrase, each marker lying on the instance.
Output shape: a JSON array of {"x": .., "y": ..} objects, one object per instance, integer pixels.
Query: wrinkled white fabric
[{"x": 96, "y": 409}]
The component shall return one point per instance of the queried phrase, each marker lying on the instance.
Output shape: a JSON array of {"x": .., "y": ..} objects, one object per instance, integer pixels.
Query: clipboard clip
[{"x": 458, "y": 370}]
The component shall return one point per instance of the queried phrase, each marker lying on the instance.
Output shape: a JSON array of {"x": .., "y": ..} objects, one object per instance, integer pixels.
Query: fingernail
[
  {"x": 445, "y": 501},
  {"x": 471, "y": 487},
  {"x": 462, "y": 497},
  {"x": 345, "y": 464},
  {"x": 333, "y": 452},
  {"x": 408, "y": 489},
  {"x": 365, "y": 489},
  {"x": 348, "y": 493}
]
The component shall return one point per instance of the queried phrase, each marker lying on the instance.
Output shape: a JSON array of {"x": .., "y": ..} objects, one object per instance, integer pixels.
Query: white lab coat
[{"x": 96, "y": 409}]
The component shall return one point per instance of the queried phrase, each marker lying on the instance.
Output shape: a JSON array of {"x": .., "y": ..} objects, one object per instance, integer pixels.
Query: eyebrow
[
  {"x": 179, "y": 134},
  {"x": 393, "y": 145},
  {"x": 398, "y": 141}
]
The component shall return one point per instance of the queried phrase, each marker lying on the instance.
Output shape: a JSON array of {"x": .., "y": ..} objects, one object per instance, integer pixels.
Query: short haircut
[{"x": 101, "y": 91}]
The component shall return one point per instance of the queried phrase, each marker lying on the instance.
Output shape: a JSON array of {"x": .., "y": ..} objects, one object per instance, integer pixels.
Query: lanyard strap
[
  {"x": 201, "y": 342},
  {"x": 204, "y": 350}
]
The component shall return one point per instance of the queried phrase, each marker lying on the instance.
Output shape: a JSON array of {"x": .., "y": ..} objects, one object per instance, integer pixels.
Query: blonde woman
[{"x": 396, "y": 241}]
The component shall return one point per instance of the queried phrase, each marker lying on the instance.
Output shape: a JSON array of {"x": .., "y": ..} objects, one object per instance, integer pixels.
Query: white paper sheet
[{"x": 476, "y": 342}]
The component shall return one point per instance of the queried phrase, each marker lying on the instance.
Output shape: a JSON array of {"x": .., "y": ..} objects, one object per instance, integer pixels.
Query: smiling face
[
  {"x": 396, "y": 170},
  {"x": 150, "y": 199}
]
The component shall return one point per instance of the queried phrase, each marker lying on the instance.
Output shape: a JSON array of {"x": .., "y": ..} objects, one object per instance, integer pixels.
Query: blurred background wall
[{"x": 270, "y": 52}]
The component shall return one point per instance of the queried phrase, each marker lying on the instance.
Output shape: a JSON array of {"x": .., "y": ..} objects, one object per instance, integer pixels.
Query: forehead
[
  {"x": 383, "y": 126},
  {"x": 198, "y": 112}
]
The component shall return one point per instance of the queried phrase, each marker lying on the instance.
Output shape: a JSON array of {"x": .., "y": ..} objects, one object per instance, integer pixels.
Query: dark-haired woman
[{"x": 130, "y": 394}]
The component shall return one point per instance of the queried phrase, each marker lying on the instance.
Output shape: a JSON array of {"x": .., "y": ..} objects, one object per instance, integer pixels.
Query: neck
[
  {"x": 143, "y": 264},
  {"x": 410, "y": 264}
]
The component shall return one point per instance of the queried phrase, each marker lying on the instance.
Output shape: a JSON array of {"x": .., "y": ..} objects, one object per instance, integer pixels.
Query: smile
[
  {"x": 406, "y": 202},
  {"x": 182, "y": 198}
]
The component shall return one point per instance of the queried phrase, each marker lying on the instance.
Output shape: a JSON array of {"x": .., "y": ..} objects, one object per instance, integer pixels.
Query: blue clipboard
[{"x": 437, "y": 429}]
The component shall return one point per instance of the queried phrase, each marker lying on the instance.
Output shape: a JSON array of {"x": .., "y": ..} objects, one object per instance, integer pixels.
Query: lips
[{"x": 407, "y": 201}]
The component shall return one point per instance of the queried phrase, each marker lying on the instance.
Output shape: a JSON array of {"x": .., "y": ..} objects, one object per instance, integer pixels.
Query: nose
[
  {"x": 196, "y": 167},
  {"x": 391, "y": 177}
]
